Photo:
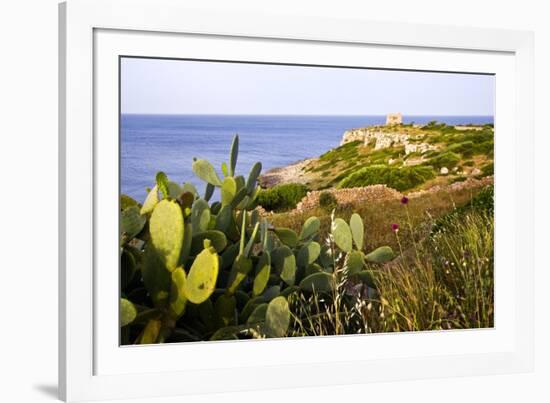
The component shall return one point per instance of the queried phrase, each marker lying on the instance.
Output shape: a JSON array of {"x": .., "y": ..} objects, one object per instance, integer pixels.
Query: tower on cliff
[{"x": 394, "y": 119}]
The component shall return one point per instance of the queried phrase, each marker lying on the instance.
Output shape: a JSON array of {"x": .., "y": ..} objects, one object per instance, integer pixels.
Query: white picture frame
[{"x": 94, "y": 33}]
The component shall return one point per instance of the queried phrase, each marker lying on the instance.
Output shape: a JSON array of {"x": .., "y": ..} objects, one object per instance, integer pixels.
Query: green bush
[
  {"x": 398, "y": 178},
  {"x": 327, "y": 201},
  {"x": 446, "y": 159},
  {"x": 466, "y": 148},
  {"x": 282, "y": 197}
]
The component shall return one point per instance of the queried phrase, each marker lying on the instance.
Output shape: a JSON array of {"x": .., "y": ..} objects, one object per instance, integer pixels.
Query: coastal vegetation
[
  {"x": 242, "y": 262},
  {"x": 434, "y": 154},
  {"x": 404, "y": 178},
  {"x": 282, "y": 197}
]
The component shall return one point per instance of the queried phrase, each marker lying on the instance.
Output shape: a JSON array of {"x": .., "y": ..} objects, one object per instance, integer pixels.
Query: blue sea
[{"x": 152, "y": 143}]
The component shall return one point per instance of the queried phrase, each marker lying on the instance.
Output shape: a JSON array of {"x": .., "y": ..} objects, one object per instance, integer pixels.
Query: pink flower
[
  {"x": 404, "y": 200},
  {"x": 395, "y": 227}
]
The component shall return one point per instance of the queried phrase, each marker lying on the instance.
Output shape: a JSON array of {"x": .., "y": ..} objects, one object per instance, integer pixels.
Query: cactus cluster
[{"x": 194, "y": 269}]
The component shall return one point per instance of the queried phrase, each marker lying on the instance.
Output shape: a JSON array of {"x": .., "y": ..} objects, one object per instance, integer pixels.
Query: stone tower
[{"x": 394, "y": 119}]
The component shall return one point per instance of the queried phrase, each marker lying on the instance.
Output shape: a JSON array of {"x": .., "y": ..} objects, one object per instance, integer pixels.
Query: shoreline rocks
[{"x": 293, "y": 173}]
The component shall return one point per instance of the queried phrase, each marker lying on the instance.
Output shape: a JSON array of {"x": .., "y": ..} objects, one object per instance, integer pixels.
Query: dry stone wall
[{"x": 349, "y": 196}]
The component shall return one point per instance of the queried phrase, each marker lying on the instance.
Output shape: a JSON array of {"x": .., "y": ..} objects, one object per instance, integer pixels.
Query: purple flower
[
  {"x": 395, "y": 227},
  {"x": 404, "y": 200}
]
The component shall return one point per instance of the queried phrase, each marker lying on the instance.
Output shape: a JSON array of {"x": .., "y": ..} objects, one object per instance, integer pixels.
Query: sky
[{"x": 156, "y": 86}]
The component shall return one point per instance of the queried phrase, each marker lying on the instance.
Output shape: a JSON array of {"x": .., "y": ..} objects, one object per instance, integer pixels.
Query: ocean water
[{"x": 152, "y": 143}]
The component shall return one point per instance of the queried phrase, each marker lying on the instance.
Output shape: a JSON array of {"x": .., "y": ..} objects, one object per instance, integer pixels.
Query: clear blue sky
[{"x": 191, "y": 87}]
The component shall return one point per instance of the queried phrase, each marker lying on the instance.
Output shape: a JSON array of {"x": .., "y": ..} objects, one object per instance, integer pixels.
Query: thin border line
[{"x": 332, "y": 66}]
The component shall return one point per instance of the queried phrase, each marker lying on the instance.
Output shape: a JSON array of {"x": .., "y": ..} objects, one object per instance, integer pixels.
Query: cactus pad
[
  {"x": 263, "y": 270},
  {"x": 155, "y": 277},
  {"x": 308, "y": 253},
  {"x": 178, "y": 299},
  {"x": 150, "y": 201},
  {"x": 310, "y": 228},
  {"x": 357, "y": 230},
  {"x": 131, "y": 222},
  {"x": 382, "y": 254},
  {"x": 128, "y": 312},
  {"x": 217, "y": 239},
  {"x": 342, "y": 235},
  {"x": 287, "y": 236},
  {"x": 284, "y": 263},
  {"x": 166, "y": 229},
  {"x": 228, "y": 190},
  {"x": 320, "y": 282},
  {"x": 355, "y": 262},
  {"x": 151, "y": 332},
  {"x": 277, "y": 317},
  {"x": 202, "y": 276},
  {"x": 205, "y": 171},
  {"x": 253, "y": 177},
  {"x": 225, "y": 307},
  {"x": 233, "y": 155},
  {"x": 200, "y": 216},
  {"x": 257, "y": 315},
  {"x": 240, "y": 269}
]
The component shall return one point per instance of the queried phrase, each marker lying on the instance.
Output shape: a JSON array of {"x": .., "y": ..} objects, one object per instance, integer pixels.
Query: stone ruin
[
  {"x": 383, "y": 139},
  {"x": 394, "y": 119}
]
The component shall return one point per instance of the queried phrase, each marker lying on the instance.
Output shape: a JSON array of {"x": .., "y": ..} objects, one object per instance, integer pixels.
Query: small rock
[
  {"x": 476, "y": 171},
  {"x": 444, "y": 171}
]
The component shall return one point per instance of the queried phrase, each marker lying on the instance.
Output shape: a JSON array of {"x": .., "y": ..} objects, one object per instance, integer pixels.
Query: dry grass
[
  {"x": 378, "y": 216},
  {"x": 447, "y": 282}
]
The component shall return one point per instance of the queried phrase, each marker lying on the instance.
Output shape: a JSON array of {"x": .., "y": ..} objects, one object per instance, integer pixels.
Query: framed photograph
[{"x": 257, "y": 201}]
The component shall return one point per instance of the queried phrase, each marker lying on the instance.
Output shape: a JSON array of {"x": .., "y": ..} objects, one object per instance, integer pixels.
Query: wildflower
[
  {"x": 404, "y": 200},
  {"x": 395, "y": 227}
]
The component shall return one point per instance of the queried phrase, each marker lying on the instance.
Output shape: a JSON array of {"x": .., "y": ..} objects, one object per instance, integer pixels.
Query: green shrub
[
  {"x": 343, "y": 152},
  {"x": 282, "y": 197},
  {"x": 327, "y": 201},
  {"x": 446, "y": 159},
  {"x": 398, "y": 178},
  {"x": 466, "y": 148},
  {"x": 488, "y": 169}
]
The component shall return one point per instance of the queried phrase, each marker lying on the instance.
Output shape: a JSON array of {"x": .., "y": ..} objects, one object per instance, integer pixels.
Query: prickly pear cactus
[
  {"x": 201, "y": 280},
  {"x": 195, "y": 269}
]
